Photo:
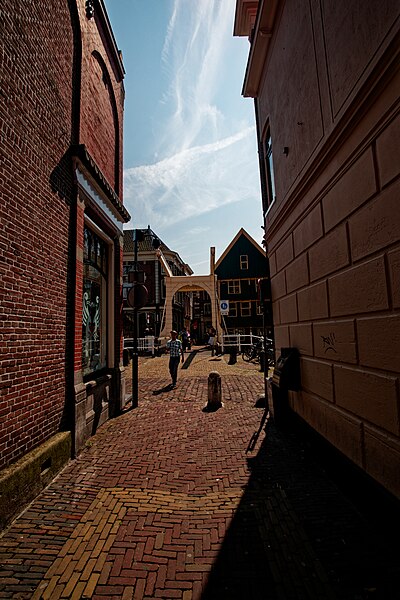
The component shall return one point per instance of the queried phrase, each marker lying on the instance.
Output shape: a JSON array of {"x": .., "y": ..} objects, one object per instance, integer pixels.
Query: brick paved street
[{"x": 166, "y": 503}]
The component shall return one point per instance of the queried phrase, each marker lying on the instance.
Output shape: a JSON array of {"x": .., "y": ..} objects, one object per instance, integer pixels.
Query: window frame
[
  {"x": 107, "y": 316},
  {"x": 269, "y": 169},
  {"x": 244, "y": 260},
  {"x": 233, "y": 309},
  {"x": 243, "y": 308},
  {"x": 234, "y": 287}
]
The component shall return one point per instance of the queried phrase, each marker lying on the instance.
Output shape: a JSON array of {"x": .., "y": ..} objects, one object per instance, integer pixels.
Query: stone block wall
[
  {"x": 328, "y": 98},
  {"x": 336, "y": 291}
]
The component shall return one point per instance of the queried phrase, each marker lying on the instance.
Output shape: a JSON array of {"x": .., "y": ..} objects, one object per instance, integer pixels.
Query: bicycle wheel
[{"x": 247, "y": 355}]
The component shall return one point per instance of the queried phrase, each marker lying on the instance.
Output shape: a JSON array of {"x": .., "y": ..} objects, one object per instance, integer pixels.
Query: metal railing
[
  {"x": 239, "y": 341},
  {"x": 145, "y": 345}
]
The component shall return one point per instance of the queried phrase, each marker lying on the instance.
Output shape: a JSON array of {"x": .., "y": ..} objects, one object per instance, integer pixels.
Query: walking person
[
  {"x": 211, "y": 340},
  {"x": 175, "y": 352}
]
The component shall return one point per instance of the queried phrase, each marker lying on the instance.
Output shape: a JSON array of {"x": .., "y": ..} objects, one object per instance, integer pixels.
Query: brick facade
[
  {"x": 35, "y": 117},
  {"x": 328, "y": 94},
  {"x": 56, "y": 172}
]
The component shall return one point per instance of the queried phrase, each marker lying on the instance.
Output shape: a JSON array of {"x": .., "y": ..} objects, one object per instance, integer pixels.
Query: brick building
[
  {"x": 61, "y": 214},
  {"x": 153, "y": 276},
  {"x": 325, "y": 80}
]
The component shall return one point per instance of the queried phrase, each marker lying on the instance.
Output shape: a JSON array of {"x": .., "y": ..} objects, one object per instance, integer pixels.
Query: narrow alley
[{"x": 165, "y": 502}]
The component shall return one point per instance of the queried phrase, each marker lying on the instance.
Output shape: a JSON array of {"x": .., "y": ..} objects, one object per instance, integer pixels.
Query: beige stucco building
[{"x": 325, "y": 78}]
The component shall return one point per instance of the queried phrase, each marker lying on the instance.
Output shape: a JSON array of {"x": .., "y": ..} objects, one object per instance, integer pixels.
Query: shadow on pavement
[
  {"x": 189, "y": 359},
  {"x": 163, "y": 390},
  {"x": 295, "y": 535}
]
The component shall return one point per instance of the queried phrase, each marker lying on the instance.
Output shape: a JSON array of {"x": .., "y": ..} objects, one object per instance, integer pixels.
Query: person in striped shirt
[{"x": 175, "y": 352}]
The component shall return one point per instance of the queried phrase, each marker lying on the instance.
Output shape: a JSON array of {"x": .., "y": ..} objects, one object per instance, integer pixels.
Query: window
[
  {"x": 244, "y": 261},
  {"x": 233, "y": 309},
  {"x": 234, "y": 286},
  {"x": 245, "y": 309},
  {"x": 94, "y": 310},
  {"x": 207, "y": 309},
  {"x": 269, "y": 168}
]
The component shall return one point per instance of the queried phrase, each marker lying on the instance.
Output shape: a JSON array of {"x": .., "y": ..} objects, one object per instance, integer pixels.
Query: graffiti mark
[{"x": 329, "y": 342}]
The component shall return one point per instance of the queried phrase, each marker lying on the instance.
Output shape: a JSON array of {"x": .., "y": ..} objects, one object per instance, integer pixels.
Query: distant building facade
[
  {"x": 239, "y": 271},
  {"x": 152, "y": 274},
  {"x": 61, "y": 241},
  {"x": 325, "y": 79}
]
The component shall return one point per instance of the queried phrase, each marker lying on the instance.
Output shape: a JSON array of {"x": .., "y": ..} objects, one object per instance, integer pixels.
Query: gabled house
[{"x": 239, "y": 270}]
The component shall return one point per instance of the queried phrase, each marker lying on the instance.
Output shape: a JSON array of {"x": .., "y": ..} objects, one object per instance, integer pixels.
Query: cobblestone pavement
[{"x": 165, "y": 503}]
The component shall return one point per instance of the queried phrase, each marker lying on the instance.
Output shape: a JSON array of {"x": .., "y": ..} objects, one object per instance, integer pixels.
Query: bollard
[
  {"x": 232, "y": 356},
  {"x": 214, "y": 392},
  {"x": 125, "y": 357}
]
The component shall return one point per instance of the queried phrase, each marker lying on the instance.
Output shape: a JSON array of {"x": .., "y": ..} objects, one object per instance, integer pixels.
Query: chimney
[{"x": 212, "y": 260}]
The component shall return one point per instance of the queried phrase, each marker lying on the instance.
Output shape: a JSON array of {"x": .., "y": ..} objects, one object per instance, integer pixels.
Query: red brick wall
[
  {"x": 35, "y": 126},
  {"x": 334, "y": 232},
  {"x": 101, "y": 103}
]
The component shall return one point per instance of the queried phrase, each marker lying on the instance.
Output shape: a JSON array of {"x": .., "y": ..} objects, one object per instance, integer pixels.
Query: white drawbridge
[{"x": 192, "y": 283}]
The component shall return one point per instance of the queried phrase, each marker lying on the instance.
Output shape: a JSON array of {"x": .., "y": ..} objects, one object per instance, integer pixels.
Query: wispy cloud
[
  {"x": 192, "y": 182},
  {"x": 205, "y": 153},
  {"x": 193, "y": 55}
]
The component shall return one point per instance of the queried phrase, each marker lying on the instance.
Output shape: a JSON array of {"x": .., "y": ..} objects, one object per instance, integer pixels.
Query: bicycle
[{"x": 253, "y": 354}]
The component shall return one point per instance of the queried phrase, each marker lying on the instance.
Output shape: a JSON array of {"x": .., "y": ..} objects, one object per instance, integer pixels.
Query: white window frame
[
  {"x": 233, "y": 309},
  {"x": 244, "y": 262},
  {"x": 245, "y": 309},
  {"x": 234, "y": 286}
]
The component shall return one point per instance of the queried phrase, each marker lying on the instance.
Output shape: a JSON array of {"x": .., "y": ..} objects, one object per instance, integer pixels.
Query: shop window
[
  {"x": 94, "y": 310},
  {"x": 234, "y": 286},
  {"x": 244, "y": 262}
]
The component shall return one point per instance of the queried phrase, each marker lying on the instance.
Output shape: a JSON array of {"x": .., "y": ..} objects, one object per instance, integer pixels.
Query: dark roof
[{"x": 144, "y": 245}]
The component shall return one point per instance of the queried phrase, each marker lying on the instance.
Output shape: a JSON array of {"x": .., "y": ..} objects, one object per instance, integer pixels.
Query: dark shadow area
[
  {"x": 163, "y": 390},
  {"x": 100, "y": 398},
  {"x": 254, "y": 438},
  {"x": 297, "y": 535},
  {"x": 189, "y": 359}
]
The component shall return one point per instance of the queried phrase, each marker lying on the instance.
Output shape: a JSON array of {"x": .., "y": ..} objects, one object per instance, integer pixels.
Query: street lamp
[{"x": 137, "y": 298}]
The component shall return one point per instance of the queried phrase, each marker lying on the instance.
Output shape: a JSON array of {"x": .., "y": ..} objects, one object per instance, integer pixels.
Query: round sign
[
  {"x": 137, "y": 295},
  {"x": 224, "y": 305}
]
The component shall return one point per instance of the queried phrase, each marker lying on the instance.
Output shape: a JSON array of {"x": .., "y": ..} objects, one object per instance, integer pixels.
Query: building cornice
[
  {"x": 93, "y": 182},
  {"x": 245, "y": 16},
  {"x": 261, "y": 38}
]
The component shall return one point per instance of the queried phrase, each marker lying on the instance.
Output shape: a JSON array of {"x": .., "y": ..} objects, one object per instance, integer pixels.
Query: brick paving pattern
[{"x": 165, "y": 503}]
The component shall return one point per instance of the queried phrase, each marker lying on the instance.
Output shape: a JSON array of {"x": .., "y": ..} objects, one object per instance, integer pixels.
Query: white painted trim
[{"x": 104, "y": 206}]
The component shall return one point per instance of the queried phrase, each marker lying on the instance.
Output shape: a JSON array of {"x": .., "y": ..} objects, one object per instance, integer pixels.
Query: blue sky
[{"x": 190, "y": 152}]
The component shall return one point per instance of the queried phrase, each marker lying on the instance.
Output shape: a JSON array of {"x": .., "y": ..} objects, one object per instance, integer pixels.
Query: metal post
[{"x": 135, "y": 353}]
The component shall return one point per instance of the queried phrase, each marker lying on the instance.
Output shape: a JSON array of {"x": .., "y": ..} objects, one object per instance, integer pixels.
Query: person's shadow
[{"x": 166, "y": 388}]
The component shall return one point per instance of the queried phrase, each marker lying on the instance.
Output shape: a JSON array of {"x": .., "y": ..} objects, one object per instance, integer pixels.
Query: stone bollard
[{"x": 214, "y": 392}]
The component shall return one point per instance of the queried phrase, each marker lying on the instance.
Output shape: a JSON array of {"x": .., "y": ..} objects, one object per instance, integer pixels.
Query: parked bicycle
[{"x": 254, "y": 352}]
